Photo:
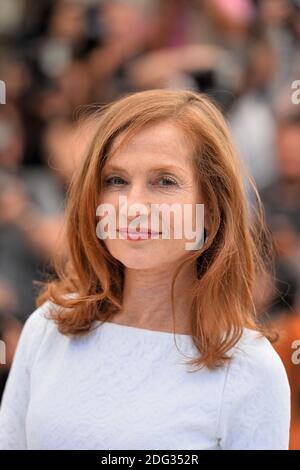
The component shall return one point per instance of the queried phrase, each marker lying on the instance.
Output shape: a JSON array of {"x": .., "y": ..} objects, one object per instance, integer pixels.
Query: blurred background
[{"x": 57, "y": 56}]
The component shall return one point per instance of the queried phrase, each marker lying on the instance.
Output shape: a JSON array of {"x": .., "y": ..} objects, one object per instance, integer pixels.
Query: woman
[{"x": 97, "y": 366}]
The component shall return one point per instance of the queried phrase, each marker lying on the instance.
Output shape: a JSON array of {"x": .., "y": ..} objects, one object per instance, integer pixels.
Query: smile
[{"x": 137, "y": 235}]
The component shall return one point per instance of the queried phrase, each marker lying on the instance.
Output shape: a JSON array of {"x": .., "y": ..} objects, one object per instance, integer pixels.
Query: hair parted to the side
[{"x": 236, "y": 251}]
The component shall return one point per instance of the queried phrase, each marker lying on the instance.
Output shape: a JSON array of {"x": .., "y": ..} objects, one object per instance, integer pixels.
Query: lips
[
  {"x": 135, "y": 232},
  {"x": 135, "y": 235}
]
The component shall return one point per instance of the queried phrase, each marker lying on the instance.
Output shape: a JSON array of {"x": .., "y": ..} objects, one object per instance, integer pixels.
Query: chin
[
  {"x": 145, "y": 255},
  {"x": 137, "y": 262},
  {"x": 138, "y": 257}
]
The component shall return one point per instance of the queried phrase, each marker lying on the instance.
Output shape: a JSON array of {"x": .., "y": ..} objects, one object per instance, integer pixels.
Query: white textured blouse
[{"x": 123, "y": 387}]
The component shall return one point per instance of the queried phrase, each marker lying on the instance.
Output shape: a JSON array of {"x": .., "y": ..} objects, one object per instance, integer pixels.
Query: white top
[{"x": 123, "y": 387}]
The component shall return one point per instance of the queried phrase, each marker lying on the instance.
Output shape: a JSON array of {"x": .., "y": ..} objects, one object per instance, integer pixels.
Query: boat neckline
[{"x": 146, "y": 330}]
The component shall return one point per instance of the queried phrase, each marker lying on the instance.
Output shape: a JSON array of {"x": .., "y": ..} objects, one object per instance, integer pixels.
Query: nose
[
  {"x": 138, "y": 194},
  {"x": 137, "y": 202}
]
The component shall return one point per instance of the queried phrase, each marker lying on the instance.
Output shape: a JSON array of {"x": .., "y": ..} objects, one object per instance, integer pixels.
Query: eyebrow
[{"x": 111, "y": 167}]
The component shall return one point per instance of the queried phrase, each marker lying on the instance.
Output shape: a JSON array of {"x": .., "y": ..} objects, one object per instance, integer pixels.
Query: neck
[{"x": 147, "y": 298}]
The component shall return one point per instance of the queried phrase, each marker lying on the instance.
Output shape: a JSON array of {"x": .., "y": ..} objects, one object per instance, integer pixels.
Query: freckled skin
[{"x": 135, "y": 171}]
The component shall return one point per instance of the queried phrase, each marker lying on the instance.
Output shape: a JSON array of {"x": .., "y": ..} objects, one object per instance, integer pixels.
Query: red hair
[{"x": 229, "y": 262}]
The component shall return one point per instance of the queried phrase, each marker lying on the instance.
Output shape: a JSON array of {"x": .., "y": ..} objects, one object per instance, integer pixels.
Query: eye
[
  {"x": 167, "y": 182},
  {"x": 114, "y": 181}
]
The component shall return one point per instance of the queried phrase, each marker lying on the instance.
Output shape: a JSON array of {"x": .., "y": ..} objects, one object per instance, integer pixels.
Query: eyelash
[{"x": 108, "y": 181}]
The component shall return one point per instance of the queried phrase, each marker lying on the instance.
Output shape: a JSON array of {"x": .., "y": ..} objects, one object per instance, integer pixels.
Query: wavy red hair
[{"x": 228, "y": 264}]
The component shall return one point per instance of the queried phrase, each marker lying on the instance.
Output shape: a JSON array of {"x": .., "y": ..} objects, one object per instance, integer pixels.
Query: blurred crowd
[{"x": 58, "y": 56}]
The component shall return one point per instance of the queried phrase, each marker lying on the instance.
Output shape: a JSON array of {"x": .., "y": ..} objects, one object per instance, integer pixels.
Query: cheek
[
  {"x": 108, "y": 197},
  {"x": 110, "y": 201},
  {"x": 187, "y": 231},
  {"x": 190, "y": 213}
]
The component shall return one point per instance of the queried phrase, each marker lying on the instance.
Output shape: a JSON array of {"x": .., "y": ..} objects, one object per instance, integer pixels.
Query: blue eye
[
  {"x": 114, "y": 181},
  {"x": 165, "y": 182},
  {"x": 168, "y": 182}
]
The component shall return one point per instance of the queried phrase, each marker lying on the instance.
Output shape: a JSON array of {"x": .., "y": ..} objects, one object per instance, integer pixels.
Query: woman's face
[{"x": 153, "y": 167}]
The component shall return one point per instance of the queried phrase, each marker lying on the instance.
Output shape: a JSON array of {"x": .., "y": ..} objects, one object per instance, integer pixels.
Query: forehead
[{"x": 164, "y": 140}]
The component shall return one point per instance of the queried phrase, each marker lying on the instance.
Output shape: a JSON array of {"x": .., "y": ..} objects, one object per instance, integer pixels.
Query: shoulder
[
  {"x": 40, "y": 318},
  {"x": 256, "y": 349},
  {"x": 257, "y": 371},
  {"x": 256, "y": 397},
  {"x": 255, "y": 361},
  {"x": 38, "y": 326}
]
